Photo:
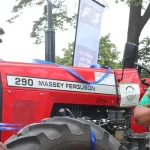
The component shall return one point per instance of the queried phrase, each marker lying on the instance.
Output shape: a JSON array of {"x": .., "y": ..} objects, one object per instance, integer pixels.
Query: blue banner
[{"x": 87, "y": 33}]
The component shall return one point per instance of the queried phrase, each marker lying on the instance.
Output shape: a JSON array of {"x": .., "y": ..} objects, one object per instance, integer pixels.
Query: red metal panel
[
  {"x": 47, "y": 71},
  {"x": 43, "y": 100},
  {"x": 24, "y": 106},
  {"x": 53, "y": 72},
  {"x": 24, "y": 111}
]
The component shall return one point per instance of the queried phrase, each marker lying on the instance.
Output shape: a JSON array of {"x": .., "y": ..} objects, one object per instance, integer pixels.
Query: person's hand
[{"x": 2, "y": 147}]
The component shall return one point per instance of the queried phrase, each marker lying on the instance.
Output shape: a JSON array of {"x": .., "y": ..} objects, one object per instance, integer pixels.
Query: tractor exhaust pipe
[{"x": 49, "y": 35}]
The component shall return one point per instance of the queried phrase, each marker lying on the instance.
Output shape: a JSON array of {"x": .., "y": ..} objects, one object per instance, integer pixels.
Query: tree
[
  {"x": 137, "y": 21},
  {"x": 108, "y": 54},
  {"x": 68, "y": 55},
  {"x": 60, "y": 16},
  {"x": 144, "y": 52},
  {"x": 144, "y": 55}
]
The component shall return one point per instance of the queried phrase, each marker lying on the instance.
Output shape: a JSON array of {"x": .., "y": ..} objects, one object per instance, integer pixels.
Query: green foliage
[
  {"x": 60, "y": 16},
  {"x": 68, "y": 55},
  {"x": 144, "y": 55},
  {"x": 144, "y": 74},
  {"x": 144, "y": 52},
  {"x": 108, "y": 54}
]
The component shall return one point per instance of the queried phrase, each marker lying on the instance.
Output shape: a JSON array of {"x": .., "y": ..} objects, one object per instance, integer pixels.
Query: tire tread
[{"x": 51, "y": 133}]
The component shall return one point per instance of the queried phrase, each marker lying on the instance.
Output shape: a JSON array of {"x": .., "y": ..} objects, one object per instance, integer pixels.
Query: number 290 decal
[{"x": 24, "y": 81}]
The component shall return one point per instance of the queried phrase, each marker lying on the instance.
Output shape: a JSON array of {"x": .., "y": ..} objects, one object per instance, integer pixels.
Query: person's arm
[
  {"x": 2, "y": 147},
  {"x": 142, "y": 111},
  {"x": 142, "y": 115}
]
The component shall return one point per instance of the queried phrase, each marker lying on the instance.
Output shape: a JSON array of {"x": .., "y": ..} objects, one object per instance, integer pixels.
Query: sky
[{"x": 18, "y": 46}]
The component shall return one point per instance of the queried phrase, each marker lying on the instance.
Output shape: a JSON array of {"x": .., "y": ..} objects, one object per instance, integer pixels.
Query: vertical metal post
[{"x": 50, "y": 35}]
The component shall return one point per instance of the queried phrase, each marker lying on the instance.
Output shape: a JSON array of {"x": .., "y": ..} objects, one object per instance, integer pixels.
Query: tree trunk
[
  {"x": 134, "y": 25},
  {"x": 136, "y": 22}
]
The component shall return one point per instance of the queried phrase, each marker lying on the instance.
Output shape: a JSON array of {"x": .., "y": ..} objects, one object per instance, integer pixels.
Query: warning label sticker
[{"x": 109, "y": 80}]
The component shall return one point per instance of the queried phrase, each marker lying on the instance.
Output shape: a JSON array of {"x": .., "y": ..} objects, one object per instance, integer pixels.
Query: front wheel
[{"x": 60, "y": 133}]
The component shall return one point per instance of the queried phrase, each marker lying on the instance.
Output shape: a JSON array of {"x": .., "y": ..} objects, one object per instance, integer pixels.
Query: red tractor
[{"x": 80, "y": 108}]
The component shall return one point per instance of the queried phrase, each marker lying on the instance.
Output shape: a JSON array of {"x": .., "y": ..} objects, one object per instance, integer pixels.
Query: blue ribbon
[
  {"x": 8, "y": 129},
  {"x": 9, "y": 124},
  {"x": 75, "y": 73},
  {"x": 93, "y": 140},
  {"x": 96, "y": 66},
  {"x": 6, "y": 126}
]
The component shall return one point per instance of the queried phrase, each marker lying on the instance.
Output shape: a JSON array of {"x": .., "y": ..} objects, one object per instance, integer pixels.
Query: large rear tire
[{"x": 60, "y": 133}]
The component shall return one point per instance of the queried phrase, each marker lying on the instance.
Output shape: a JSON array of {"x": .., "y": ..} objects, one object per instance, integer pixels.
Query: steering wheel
[{"x": 139, "y": 68}]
